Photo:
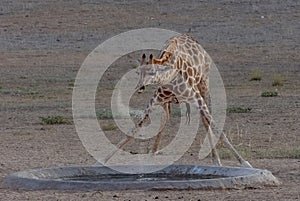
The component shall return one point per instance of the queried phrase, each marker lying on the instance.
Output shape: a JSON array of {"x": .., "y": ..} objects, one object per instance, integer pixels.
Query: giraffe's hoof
[
  {"x": 217, "y": 162},
  {"x": 132, "y": 132},
  {"x": 158, "y": 152},
  {"x": 246, "y": 164},
  {"x": 129, "y": 133},
  {"x": 153, "y": 152}
]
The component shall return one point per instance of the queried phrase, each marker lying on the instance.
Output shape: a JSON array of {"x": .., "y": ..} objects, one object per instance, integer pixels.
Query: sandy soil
[{"x": 43, "y": 44}]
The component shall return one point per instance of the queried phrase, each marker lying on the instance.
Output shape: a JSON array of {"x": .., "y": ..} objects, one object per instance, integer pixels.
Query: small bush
[
  {"x": 50, "y": 120},
  {"x": 269, "y": 94},
  {"x": 238, "y": 110}
]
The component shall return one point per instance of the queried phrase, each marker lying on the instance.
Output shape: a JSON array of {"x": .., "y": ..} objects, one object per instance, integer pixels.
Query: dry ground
[{"x": 43, "y": 44}]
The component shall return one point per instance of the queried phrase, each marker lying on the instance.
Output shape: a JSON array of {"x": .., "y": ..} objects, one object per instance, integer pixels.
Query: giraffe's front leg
[
  {"x": 155, "y": 100},
  {"x": 163, "y": 99},
  {"x": 135, "y": 131},
  {"x": 165, "y": 118},
  {"x": 148, "y": 110}
]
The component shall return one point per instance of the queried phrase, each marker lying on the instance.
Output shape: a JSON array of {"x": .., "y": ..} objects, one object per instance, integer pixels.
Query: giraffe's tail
[{"x": 188, "y": 113}]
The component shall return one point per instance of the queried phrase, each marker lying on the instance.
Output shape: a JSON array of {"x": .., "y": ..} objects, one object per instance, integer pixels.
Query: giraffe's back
[{"x": 190, "y": 59}]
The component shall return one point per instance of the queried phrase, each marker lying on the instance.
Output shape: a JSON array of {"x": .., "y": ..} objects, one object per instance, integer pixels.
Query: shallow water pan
[{"x": 176, "y": 177}]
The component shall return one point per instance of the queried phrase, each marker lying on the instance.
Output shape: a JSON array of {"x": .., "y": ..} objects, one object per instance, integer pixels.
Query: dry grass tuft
[
  {"x": 256, "y": 75},
  {"x": 278, "y": 80}
]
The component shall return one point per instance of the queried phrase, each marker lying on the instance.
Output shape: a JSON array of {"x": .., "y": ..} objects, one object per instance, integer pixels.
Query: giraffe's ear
[
  {"x": 151, "y": 59},
  {"x": 143, "y": 59}
]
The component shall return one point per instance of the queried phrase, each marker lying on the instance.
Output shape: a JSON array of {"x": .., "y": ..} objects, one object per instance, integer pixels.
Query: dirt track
[{"x": 43, "y": 44}]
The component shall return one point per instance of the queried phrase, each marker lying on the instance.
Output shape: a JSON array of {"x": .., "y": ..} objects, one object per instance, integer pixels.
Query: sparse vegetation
[
  {"x": 28, "y": 93},
  {"x": 269, "y": 94},
  {"x": 238, "y": 110},
  {"x": 249, "y": 152},
  {"x": 104, "y": 114},
  {"x": 278, "y": 80},
  {"x": 245, "y": 151},
  {"x": 52, "y": 119},
  {"x": 109, "y": 127},
  {"x": 256, "y": 75},
  {"x": 107, "y": 114},
  {"x": 237, "y": 138},
  {"x": 283, "y": 152}
]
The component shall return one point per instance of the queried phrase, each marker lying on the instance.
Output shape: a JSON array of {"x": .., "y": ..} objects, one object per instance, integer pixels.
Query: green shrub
[
  {"x": 269, "y": 94},
  {"x": 238, "y": 110},
  {"x": 50, "y": 120}
]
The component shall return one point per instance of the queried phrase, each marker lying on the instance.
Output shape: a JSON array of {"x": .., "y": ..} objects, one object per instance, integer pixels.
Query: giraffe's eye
[{"x": 152, "y": 73}]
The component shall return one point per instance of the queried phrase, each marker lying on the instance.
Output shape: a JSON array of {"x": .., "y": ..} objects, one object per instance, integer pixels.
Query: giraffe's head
[{"x": 153, "y": 73}]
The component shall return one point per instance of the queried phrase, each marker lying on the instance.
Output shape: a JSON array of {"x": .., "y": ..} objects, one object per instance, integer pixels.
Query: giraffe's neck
[{"x": 162, "y": 78}]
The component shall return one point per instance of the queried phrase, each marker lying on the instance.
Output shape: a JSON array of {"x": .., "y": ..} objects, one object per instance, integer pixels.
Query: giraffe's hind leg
[
  {"x": 203, "y": 88},
  {"x": 208, "y": 121},
  {"x": 200, "y": 103},
  {"x": 214, "y": 153}
]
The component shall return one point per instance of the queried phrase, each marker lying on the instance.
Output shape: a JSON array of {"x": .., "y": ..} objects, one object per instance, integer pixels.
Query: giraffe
[
  {"x": 182, "y": 75},
  {"x": 172, "y": 84}
]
